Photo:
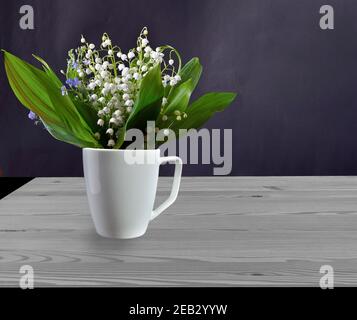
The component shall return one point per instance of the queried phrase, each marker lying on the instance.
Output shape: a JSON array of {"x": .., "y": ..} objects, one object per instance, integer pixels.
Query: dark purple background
[{"x": 297, "y": 108}]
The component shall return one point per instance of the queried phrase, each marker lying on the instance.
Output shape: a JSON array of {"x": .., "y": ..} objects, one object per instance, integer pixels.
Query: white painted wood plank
[{"x": 222, "y": 231}]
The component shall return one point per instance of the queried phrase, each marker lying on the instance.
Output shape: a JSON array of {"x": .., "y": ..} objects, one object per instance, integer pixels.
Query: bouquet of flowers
[{"x": 108, "y": 91}]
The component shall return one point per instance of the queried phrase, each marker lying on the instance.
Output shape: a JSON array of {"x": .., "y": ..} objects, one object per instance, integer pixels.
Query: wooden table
[{"x": 222, "y": 231}]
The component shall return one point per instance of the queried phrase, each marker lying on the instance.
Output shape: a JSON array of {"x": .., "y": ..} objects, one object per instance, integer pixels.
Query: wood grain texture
[{"x": 231, "y": 231}]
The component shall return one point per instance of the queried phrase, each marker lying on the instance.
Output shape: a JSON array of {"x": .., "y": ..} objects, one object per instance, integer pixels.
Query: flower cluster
[
  {"x": 109, "y": 91},
  {"x": 108, "y": 79}
]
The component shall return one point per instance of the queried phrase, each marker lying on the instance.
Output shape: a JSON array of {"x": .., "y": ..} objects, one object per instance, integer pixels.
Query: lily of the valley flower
[
  {"x": 32, "y": 116},
  {"x": 73, "y": 82},
  {"x": 109, "y": 79},
  {"x": 64, "y": 90}
]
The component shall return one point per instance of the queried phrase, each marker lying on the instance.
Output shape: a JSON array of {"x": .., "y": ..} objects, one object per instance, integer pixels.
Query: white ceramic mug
[{"x": 121, "y": 188}]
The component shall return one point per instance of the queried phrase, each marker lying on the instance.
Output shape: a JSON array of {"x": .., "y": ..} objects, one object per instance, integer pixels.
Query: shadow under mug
[{"x": 121, "y": 188}]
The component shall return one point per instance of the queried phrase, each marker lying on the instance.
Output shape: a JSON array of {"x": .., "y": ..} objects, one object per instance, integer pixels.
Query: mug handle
[{"x": 175, "y": 186}]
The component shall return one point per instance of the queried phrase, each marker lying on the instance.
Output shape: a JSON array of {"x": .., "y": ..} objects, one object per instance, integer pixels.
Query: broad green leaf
[
  {"x": 203, "y": 109},
  {"x": 29, "y": 89},
  {"x": 149, "y": 113},
  {"x": 69, "y": 115},
  {"x": 48, "y": 70},
  {"x": 150, "y": 92},
  {"x": 88, "y": 113},
  {"x": 63, "y": 135},
  {"x": 148, "y": 103},
  {"x": 40, "y": 92},
  {"x": 180, "y": 97},
  {"x": 191, "y": 70}
]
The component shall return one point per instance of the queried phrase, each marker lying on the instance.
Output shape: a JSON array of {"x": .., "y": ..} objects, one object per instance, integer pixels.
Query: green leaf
[
  {"x": 151, "y": 91},
  {"x": 87, "y": 112},
  {"x": 180, "y": 97},
  {"x": 63, "y": 135},
  {"x": 149, "y": 113},
  {"x": 120, "y": 137},
  {"x": 48, "y": 70},
  {"x": 203, "y": 109},
  {"x": 40, "y": 92},
  {"x": 148, "y": 103},
  {"x": 66, "y": 110},
  {"x": 191, "y": 70},
  {"x": 29, "y": 89}
]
